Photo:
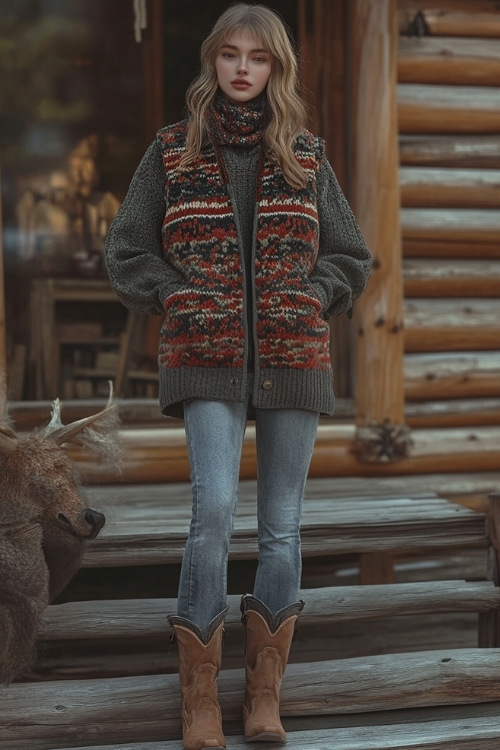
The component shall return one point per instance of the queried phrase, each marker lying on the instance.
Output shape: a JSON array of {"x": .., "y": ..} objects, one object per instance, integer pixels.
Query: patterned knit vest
[{"x": 205, "y": 324}]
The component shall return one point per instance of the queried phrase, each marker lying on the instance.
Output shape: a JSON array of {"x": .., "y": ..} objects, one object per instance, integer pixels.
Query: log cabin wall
[{"x": 449, "y": 122}]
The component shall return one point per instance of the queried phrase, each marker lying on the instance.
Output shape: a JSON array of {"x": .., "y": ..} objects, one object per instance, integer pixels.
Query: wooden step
[
  {"x": 472, "y": 151},
  {"x": 448, "y": 109},
  {"x": 479, "y": 733},
  {"x": 445, "y": 187},
  {"x": 63, "y": 714},
  {"x": 453, "y": 233},
  {"x": 149, "y": 524},
  {"x": 144, "y": 618},
  {"x": 463, "y": 374},
  {"x": 448, "y": 60},
  {"x": 444, "y": 325}
]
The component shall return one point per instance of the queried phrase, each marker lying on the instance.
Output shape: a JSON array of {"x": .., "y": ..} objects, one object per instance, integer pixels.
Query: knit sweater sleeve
[
  {"x": 343, "y": 264},
  {"x": 137, "y": 272}
]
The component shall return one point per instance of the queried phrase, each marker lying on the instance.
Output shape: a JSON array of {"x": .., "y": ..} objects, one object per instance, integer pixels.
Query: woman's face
[{"x": 243, "y": 68}]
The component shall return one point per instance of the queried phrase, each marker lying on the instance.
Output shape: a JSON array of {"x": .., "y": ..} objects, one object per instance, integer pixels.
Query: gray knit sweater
[{"x": 137, "y": 270}]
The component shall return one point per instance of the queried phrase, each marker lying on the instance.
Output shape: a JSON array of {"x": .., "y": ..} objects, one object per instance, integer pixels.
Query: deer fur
[{"x": 44, "y": 527}]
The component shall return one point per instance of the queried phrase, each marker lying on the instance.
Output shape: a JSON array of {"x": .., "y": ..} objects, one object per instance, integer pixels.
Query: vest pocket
[{"x": 202, "y": 329}]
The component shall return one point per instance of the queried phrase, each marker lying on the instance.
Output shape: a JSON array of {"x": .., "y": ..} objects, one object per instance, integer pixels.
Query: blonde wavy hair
[{"x": 288, "y": 114}]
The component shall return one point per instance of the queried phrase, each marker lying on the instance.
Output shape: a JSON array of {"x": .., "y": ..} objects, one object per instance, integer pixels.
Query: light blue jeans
[{"x": 285, "y": 441}]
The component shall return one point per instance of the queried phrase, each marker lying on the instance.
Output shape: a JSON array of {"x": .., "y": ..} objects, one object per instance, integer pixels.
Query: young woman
[{"x": 235, "y": 229}]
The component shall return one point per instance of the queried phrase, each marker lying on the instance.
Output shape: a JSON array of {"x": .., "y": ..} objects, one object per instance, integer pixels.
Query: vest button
[
  {"x": 234, "y": 381},
  {"x": 267, "y": 385}
]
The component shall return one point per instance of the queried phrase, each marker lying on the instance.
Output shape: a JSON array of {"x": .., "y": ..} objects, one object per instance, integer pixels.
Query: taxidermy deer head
[{"x": 44, "y": 524}]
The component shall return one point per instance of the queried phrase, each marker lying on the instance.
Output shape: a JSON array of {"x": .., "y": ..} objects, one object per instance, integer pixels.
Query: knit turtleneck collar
[{"x": 235, "y": 124}]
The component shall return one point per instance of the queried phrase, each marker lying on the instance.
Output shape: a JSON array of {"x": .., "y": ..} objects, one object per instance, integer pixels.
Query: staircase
[{"x": 110, "y": 681}]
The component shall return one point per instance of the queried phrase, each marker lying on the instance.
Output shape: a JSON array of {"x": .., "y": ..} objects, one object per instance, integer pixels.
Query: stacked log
[
  {"x": 449, "y": 123},
  {"x": 457, "y": 18},
  {"x": 480, "y": 152},
  {"x": 449, "y": 60}
]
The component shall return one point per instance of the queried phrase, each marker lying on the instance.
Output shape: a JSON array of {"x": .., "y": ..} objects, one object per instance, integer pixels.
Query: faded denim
[{"x": 285, "y": 441}]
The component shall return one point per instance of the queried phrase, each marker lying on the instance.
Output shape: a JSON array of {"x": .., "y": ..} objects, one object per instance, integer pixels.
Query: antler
[{"x": 65, "y": 433}]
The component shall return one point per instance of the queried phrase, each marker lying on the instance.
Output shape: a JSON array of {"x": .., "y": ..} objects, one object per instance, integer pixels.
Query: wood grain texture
[
  {"x": 140, "y": 531},
  {"x": 451, "y": 278},
  {"x": 435, "y": 734},
  {"x": 426, "y": 108},
  {"x": 434, "y": 187},
  {"x": 454, "y": 233},
  {"x": 447, "y": 60},
  {"x": 379, "y": 312},
  {"x": 455, "y": 18},
  {"x": 442, "y": 324},
  {"x": 141, "y": 709},
  {"x": 145, "y": 618},
  {"x": 474, "y": 151},
  {"x": 452, "y": 412},
  {"x": 450, "y": 375}
]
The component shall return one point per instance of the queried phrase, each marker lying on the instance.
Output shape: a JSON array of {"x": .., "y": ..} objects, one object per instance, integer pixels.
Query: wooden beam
[
  {"x": 436, "y": 187},
  {"x": 445, "y": 60},
  {"x": 474, "y": 151},
  {"x": 449, "y": 375},
  {"x": 379, "y": 312},
  {"x": 448, "y": 109},
  {"x": 159, "y": 455},
  {"x": 145, "y": 618},
  {"x": 431, "y": 277},
  {"x": 443, "y": 325},
  {"x": 455, "y": 412},
  {"x": 464, "y": 18},
  {"x": 439, "y": 734},
  {"x": 439, "y": 232}
]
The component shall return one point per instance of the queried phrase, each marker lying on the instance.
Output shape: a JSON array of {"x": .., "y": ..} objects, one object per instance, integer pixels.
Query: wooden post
[
  {"x": 3, "y": 346},
  {"x": 379, "y": 390}
]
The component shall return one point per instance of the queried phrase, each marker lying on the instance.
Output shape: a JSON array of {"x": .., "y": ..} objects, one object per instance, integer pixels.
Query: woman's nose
[{"x": 242, "y": 68}]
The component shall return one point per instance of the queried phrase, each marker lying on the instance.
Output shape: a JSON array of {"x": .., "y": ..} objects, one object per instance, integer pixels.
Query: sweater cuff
[
  {"x": 340, "y": 302},
  {"x": 166, "y": 290}
]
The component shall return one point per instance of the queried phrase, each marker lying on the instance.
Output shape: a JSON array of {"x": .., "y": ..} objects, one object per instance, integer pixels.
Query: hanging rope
[{"x": 140, "y": 19}]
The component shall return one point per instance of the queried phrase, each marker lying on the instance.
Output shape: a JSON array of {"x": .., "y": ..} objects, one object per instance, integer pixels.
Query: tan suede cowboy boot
[
  {"x": 267, "y": 645},
  {"x": 199, "y": 666}
]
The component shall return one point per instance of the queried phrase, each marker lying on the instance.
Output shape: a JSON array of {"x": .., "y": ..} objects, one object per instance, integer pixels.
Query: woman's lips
[{"x": 240, "y": 85}]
